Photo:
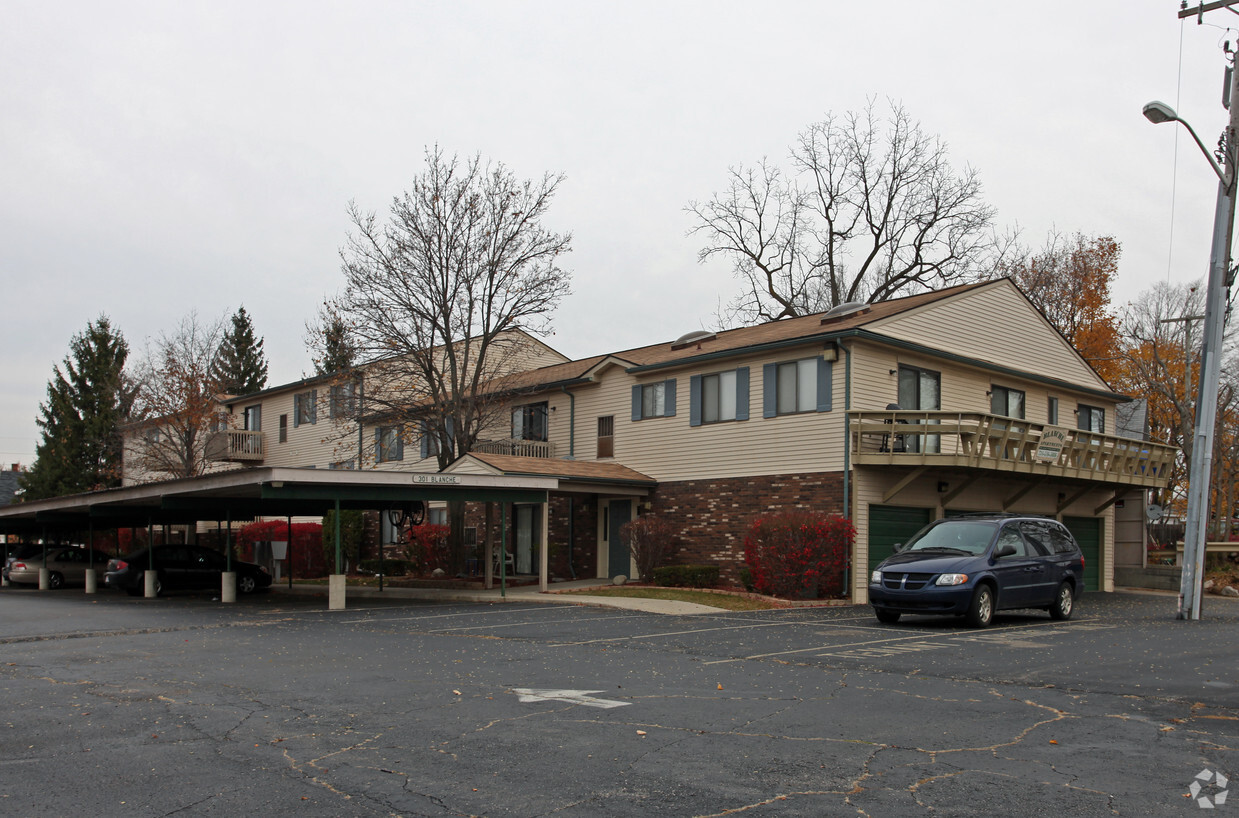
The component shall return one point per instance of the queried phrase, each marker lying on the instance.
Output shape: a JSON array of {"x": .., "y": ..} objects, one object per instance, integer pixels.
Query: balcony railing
[
  {"x": 982, "y": 441},
  {"x": 521, "y": 448},
  {"x": 236, "y": 446}
]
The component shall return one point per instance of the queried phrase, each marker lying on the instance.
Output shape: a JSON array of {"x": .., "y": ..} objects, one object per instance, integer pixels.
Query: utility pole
[{"x": 1220, "y": 279}]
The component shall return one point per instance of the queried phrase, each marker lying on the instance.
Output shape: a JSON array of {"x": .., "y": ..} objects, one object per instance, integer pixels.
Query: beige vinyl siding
[
  {"x": 310, "y": 444},
  {"x": 964, "y": 388},
  {"x": 669, "y": 449},
  {"x": 995, "y": 323},
  {"x": 869, "y": 486}
]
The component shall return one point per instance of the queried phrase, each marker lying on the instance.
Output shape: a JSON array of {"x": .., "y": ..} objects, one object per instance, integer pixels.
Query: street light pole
[{"x": 1195, "y": 535}]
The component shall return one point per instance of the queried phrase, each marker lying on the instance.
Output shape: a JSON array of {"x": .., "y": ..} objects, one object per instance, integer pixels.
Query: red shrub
[
  {"x": 799, "y": 554},
  {"x": 306, "y": 547},
  {"x": 427, "y": 548}
]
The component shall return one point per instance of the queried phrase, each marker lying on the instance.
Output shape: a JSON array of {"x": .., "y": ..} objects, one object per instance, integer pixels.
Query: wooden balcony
[
  {"x": 236, "y": 446},
  {"x": 520, "y": 448},
  {"x": 1002, "y": 444}
]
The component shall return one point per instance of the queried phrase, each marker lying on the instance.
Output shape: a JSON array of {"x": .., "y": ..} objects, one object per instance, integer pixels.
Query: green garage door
[
  {"x": 891, "y": 524},
  {"x": 1087, "y": 531}
]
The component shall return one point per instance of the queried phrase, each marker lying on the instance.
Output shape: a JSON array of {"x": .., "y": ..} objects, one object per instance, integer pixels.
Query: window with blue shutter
[
  {"x": 792, "y": 387},
  {"x": 719, "y": 397},
  {"x": 653, "y": 400}
]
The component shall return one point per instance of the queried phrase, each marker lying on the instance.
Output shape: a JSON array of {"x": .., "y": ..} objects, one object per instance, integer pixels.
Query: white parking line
[
  {"x": 489, "y": 612},
  {"x": 673, "y": 633}
]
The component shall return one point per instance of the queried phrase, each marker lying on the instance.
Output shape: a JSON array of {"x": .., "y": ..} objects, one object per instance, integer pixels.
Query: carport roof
[{"x": 274, "y": 492}]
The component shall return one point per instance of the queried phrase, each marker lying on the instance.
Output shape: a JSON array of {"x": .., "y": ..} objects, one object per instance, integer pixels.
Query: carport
[{"x": 251, "y": 493}]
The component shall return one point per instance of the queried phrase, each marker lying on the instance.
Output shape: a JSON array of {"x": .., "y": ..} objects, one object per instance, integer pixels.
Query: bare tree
[
  {"x": 870, "y": 209},
  {"x": 177, "y": 404},
  {"x": 432, "y": 296}
]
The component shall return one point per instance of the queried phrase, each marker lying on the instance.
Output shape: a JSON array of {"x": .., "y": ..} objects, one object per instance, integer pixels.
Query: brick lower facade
[{"x": 713, "y": 516}]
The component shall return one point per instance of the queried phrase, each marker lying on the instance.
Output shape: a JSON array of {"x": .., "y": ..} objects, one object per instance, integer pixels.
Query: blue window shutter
[
  {"x": 296, "y": 411},
  {"x": 742, "y": 393},
  {"x": 314, "y": 406},
  {"x": 425, "y": 441},
  {"x": 399, "y": 443},
  {"x": 770, "y": 391},
  {"x": 378, "y": 444},
  {"x": 636, "y": 402},
  {"x": 824, "y": 386},
  {"x": 669, "y": 399},
  {"x": 694, "y": 400}
]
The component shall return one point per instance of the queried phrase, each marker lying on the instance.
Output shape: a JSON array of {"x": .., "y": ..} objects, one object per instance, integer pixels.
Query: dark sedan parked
[
  {"x": 973, "y": 566},
  {"x": 181, "y": 567}
]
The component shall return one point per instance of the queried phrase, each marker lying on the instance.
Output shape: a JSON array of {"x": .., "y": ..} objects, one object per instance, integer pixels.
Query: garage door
[
  {"x": 1087, "y": 531},
  {"x": 891, "y": 524}
]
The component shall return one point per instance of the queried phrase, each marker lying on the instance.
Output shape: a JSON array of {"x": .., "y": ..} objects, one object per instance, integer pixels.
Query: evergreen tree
[
  {"x": 336, "y": 351},
  {"x": 240, "y": 366},
  {"x": 88, "y": 398}
]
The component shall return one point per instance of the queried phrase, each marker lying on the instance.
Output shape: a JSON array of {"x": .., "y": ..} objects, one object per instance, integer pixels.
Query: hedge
[{"x": 686, "y": 576}]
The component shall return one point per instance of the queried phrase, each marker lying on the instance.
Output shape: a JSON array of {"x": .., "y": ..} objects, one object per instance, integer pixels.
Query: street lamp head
[{"x": 1159, "y": 112}]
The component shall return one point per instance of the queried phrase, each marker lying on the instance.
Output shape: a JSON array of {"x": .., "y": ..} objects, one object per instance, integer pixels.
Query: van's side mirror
[
  {"x": 898, "y": 547},
  {"x": 1004, "y": 551}
]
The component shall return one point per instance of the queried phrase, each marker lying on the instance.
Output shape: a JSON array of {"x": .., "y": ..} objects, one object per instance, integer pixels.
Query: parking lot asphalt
[{"x": 122, "y": 706}]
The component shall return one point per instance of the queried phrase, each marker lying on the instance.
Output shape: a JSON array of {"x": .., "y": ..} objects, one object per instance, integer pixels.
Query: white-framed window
[
  {"x": 342, "y": 400},
  {"x": 1091, "y": 419},
  {"x": 343, "y": 465},
  {"x": 388, "y": 446},
  {"x": 253, "y": 418},
  {"x": 436, "y": 516},
  {"x": 529, "y": 422},
  {"x": 653, "y": 400},
  {"x": 797, "y": 386},
  {"x": 1051, "y": 411},
  {"x": 1006, "y": 401},
  {"x": 304, "y": 409}
]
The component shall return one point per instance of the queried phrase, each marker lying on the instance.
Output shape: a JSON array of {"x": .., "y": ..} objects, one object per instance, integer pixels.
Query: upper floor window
[
  {"x": 253, "y": 418},
  {"x": 796, "y": 386},
  {"x": 387, "y": 444},
  {"x": 719, "y": 397},
  {"x": 529, "y": 422},
  {"x": 342, "y": 400},
  {"x": 653, "y": 400},
  {"x": 1051, "y": 411},
  {"x": 1092, "y": 419},
  {"x": 304, "y": 407},
  {"x": 1006, "y": 401},
  {"x": 606, "y": 436},
  {"x": 342, "y": 465}
]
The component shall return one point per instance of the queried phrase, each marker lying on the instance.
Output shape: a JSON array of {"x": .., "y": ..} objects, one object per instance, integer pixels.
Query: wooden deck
[{"x": 1002, "y": 444}]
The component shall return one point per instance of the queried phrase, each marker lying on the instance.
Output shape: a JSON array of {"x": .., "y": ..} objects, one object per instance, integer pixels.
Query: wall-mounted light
[
  {"x": 988, "y": 393},
  {"x": 894, "y": 371},
  {"x": 943, "y": 487},
  {"x": 830, "y": 352}
]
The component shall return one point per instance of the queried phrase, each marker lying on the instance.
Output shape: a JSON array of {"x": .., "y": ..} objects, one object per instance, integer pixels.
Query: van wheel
[
  {"x": 981, "y": 609},
  {"x": 885, "y": 616},
  {"x": 1064, "y": 602}
]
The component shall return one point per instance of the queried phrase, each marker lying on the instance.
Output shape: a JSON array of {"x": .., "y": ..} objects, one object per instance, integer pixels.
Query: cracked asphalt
[{"x": 276, "y": 706}]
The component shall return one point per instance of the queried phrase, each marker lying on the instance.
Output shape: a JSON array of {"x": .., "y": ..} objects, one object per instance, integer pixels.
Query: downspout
[
  {"x": 571, "y": 424},
  {"x": 571, "y": 456},
  {"x": 847, "y": 454}
]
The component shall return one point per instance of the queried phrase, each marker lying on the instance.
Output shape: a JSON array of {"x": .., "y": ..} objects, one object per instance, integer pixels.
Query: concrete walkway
[{"x": 528, "y": 594}]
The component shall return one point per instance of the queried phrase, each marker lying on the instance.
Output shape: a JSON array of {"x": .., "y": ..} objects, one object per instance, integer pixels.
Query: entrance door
[
  {"x": 525, "y": 521},
  {"x": 891, "y": 524},
  {"x": 920, "y": 389},
  {"x": 1087, "y": 531},
  {"x": 618, "y": 560}
]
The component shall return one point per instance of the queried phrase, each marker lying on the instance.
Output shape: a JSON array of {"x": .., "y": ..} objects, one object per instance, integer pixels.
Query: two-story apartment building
[{"x": 892, "y": 414}]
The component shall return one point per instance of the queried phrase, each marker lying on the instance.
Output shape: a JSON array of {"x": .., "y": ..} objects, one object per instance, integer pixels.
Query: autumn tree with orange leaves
[{"x": 1069, "y": 281}]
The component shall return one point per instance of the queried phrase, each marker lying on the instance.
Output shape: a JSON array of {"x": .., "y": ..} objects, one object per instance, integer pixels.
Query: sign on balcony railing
[{"x": 1050, "y": 446}]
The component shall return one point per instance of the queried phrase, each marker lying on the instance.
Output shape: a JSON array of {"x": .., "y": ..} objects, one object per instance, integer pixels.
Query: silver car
[{"x": 67, "y": 565}]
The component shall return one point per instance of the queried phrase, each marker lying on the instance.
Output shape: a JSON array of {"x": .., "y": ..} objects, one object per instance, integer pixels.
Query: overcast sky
[{"x": 160, "y": 157}]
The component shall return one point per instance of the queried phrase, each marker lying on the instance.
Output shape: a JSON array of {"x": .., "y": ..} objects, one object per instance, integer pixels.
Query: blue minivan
[{"x": 974, "y": 565}]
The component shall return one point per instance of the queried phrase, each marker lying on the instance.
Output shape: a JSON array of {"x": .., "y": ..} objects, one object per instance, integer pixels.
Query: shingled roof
[{"x": 734, "y": 340}]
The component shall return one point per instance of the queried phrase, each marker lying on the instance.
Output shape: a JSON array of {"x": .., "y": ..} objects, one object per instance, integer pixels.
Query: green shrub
[
  {"x": 686, "y": 576},
  {"x": 390, "y": 568},
  {"x": 746, "y": 578}
]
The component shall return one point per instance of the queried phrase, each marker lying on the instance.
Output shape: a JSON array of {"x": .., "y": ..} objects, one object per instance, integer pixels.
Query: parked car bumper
[{"x": 944, "y": 599}]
